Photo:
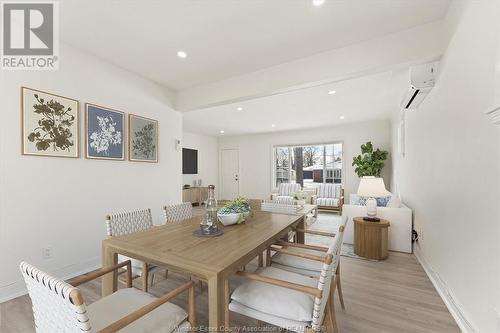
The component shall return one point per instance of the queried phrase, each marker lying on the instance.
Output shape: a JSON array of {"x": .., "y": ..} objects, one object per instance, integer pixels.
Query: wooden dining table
[{"x": 213, "y": 260}]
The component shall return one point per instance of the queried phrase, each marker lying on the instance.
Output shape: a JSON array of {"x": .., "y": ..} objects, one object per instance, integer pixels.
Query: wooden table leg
[
  {"x": 227, "y": 295},
  {"x": 215, "y": 303},
  {"x": 110, "y": 280},
  {"x": 299, "y": 236}
]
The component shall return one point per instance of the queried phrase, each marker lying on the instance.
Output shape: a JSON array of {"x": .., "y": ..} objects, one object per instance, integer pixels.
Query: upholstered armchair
[
  {"x": 285, "y": 192},
  {"x": 329, "y": 196}
]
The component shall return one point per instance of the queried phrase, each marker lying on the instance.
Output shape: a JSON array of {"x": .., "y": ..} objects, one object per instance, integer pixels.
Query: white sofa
[{"x": 400, "y": 229}]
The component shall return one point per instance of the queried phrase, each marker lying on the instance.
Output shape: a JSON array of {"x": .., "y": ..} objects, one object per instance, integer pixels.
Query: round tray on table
[{"x": 198, "y": 233}]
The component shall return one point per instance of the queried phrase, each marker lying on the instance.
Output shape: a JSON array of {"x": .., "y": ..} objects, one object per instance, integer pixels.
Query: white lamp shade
[{"x": 372, "y": 187}]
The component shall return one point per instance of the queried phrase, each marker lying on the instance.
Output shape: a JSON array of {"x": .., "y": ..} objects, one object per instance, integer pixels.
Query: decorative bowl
[{"x": 229, "y": 218}]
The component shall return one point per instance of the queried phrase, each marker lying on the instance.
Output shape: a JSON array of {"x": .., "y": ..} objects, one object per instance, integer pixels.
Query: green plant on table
[{"x": 240, "y": 205}]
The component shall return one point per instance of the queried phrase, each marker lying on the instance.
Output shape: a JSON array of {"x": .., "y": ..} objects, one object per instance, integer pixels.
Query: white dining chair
[
  {"x": 60, "y": 307},
  {"x": 125, "y": 223},
  {"x": 286, "y": 299},
  {"x": 288, "y": 256},
  {"x": 177, "y": 213}
]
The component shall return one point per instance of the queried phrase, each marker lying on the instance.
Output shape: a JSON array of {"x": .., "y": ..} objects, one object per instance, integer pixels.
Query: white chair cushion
[
  {"x": 284, "y": 199},
  {"x": 297, "y": 262},
  {"x": 277, "y": 301},
  {"x": 329, "y": 190},
  {"x": 289, "y": 324},
  {"x": 288, "y": 188},
  {"x": 332, "y": 202},
  {"x": 109, "y": 309},
  {"x": 183, "y": 328}
]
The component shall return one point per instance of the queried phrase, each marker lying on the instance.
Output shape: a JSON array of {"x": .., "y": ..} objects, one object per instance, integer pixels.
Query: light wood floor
[{"x": 394, "y": 295}]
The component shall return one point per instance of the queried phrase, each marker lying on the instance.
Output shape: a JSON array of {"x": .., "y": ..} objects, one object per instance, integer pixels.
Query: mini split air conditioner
[{"x": 422, "y": 79}]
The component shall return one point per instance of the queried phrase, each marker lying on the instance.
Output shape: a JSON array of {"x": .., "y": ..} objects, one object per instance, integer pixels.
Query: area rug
[{"x": 329, "y": 222}]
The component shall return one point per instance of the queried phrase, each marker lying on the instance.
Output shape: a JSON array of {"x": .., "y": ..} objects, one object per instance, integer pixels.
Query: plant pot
[{"x": 229, "y": 219}]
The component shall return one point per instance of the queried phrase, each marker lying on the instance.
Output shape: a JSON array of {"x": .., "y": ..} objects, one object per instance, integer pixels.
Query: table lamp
[{"x": 372, "y": 187}]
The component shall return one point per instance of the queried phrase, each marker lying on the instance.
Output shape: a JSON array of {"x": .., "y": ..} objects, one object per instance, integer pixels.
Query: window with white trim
[{"x": 308, "y": 165}]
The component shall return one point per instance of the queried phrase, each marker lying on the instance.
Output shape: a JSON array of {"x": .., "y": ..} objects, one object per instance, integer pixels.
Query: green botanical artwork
[
  {"x": 144, "y": 144},
  {"x": 50, "y": 124},
  {"x": 54, "y": 128},
  {"x": 143, "y": 139}
]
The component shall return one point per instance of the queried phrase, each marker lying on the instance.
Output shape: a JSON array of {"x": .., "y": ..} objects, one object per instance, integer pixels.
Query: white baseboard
[
  {"x": 455, "y": 309},
  {"x": 18, "y": 288}
]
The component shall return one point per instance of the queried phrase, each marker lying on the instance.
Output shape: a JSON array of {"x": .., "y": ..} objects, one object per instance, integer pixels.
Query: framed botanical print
[
  {"x": 143, "y": 139},
  {"x": 104, "y": 133},
  {"x": 50, "y": 124}
]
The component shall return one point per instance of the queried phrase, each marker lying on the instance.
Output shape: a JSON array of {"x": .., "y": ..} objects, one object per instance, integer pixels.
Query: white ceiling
[
  {"x": 226, "y": 38},
  {"x": 361, "y": 99}
]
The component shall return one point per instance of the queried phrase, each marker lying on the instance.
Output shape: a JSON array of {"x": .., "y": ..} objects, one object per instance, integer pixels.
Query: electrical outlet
[{"x": 47, "y": 253}]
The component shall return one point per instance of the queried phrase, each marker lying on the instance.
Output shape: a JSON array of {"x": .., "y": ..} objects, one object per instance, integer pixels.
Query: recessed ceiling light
[
  {"x": 331, "y": 92},
  {"x": 318, "y": 3},
  {"x": 221, "y": 132},
  {"x": 273, "y": 125},
  {"x": 342, "y": 117},
  {"x": 182, "y": 54},
  {"x": 239, "y": 108}
]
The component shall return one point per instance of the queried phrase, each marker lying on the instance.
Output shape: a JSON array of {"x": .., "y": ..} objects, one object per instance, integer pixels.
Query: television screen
[{"x": 189, "y": 161}]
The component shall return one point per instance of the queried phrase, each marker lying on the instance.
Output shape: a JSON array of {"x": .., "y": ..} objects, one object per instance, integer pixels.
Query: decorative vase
[
  {"x": 371, "y": 207},
  {"x": 209, "y": 222}
]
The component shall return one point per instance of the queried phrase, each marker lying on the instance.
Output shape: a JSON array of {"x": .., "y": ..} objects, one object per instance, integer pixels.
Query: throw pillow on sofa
[
  {"x": 381, "y": 202},
  {"x": 394, "y": 202}
]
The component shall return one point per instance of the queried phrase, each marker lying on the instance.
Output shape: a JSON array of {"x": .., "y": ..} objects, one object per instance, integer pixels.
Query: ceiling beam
[{"x": 402, "y": 49}]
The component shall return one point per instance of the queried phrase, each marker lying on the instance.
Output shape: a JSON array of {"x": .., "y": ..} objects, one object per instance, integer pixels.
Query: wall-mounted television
[{"x": 189, "y": 161}]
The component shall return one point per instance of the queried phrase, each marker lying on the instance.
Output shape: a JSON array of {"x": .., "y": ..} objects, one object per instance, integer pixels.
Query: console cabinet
[{"x": 195, "y": 195}]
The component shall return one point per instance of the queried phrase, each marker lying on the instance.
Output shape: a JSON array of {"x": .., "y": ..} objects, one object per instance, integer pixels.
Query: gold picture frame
[
  {"x": 142, "y": 139},
  {"x": 53, "y": 123}
]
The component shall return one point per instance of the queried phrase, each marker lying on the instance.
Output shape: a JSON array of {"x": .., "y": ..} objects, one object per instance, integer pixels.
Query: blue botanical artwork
[{"x": 105, "y": 133}]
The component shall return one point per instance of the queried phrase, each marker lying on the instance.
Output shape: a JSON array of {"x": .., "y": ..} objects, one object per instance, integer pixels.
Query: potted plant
[
  {"x": 370, "y": 162},
  {"x": 235, "y": 211}
]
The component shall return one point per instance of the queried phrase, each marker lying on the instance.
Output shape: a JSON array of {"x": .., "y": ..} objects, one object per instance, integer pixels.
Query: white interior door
[{"x": 230, "y": 173}]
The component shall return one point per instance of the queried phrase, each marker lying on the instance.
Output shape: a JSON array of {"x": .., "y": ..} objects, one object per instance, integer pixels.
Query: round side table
[{"x": 370, "y": 238}]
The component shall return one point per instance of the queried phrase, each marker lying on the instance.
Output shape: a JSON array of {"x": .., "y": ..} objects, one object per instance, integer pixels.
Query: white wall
[
  {"x": 62, "y": 202},
  {"x": 450, "y": 174},
  {"x": 208, "y": 158},
  {"x": 255, "y": 152}
]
